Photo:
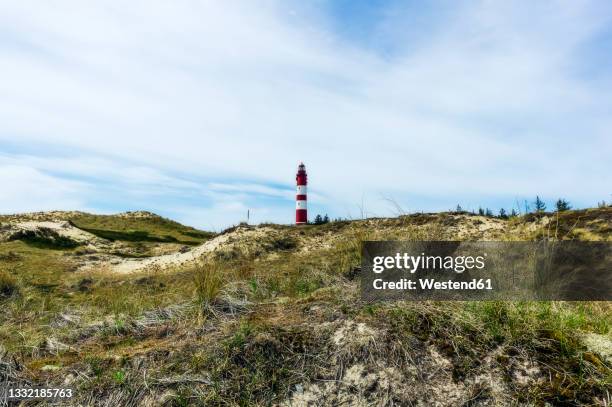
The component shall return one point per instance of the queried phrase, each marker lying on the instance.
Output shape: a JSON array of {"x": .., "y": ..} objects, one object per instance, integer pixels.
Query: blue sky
[{"x": 200, "y": 110}]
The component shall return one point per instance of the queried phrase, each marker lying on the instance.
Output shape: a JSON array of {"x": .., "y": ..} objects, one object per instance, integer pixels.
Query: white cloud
[
  {"x": 30, "y": 190},
  {"x": 490, "y": 101},
  {"x": 254, "y": 188}
]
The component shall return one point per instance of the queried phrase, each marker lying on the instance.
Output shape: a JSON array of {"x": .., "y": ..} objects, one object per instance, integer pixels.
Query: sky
[{"x": 201, "y": 110}]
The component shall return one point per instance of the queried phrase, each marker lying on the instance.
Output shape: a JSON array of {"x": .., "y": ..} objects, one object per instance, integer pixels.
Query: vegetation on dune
[
  {"x": 45, "y": 238},
  {"x": 133, "y": 236},
  {"x": 284, "y": 320},
  {"x": 139, "y": 229},
  {"x": 208, "y": 281}
]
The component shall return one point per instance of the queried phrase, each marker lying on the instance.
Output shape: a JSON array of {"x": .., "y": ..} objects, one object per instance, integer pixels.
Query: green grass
[
  {"x": 43, "y": 284},
  {"x": 147, "y": 229}
]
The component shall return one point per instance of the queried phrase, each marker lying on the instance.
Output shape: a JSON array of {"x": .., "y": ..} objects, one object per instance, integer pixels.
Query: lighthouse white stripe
[
  {"x": 301, "y": 190},
  {"x": 300, "y": 204}
]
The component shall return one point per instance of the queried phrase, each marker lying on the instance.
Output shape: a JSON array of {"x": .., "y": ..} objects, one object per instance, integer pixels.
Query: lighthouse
[{"x": 301, "y": 214}]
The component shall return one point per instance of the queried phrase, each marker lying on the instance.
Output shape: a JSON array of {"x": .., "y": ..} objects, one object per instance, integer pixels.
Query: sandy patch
[
  {"x": 244, "y": 240},
  {"x": 352, "y": 333},
  {"x": 600, "y": 344},
  {"x": 62, "y": 228}
]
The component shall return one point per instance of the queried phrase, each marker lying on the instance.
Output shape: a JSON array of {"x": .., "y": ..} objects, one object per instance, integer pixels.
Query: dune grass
[
  {"x": 208, "y": 281},
  {"x": 259, "y": 353},
  {"x": 140, "y": 229}
]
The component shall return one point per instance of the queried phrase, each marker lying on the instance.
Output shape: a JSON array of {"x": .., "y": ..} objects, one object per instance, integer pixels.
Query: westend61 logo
[{"x": 570, "y": 270}]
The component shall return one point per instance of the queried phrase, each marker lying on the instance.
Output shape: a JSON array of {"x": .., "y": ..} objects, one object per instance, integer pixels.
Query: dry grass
[
  {"x": 208, "y": 280},
  {"x": 349, "y": 248}
]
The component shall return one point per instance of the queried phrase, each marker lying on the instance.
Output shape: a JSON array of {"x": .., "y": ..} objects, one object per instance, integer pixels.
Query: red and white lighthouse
[{"x": 301, "y": 213}]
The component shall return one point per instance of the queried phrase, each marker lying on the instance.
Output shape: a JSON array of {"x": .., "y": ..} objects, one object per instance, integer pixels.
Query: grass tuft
[
  {"x": 208, "y": 281},
  {"x": 8, "y": 285},
  {"x": 349, "y": 249}
]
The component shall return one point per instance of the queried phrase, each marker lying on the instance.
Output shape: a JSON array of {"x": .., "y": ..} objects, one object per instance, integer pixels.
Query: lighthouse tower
[{"x": 301, "y": 215}]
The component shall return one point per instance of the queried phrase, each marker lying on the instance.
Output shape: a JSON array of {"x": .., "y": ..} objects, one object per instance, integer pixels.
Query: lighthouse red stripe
[
  {"x": 301, "y": 216},
  {"x": 300, "y": 197}
]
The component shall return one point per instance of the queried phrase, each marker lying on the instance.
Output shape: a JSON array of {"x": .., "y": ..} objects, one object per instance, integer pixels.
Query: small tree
[
  {"x": 325, "y": 219},
  {"x": 540, "y": 206},
  {"x": 459, "y": 209},
  {"x": 513, "y": 213},
  {"x": 562, "y": 205},
  {"x": 488, "y": 213},
  {"x": 503, "y": 214},
  {"x": 318, "y": 220},
  {"x": 481, "y": 211}
]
